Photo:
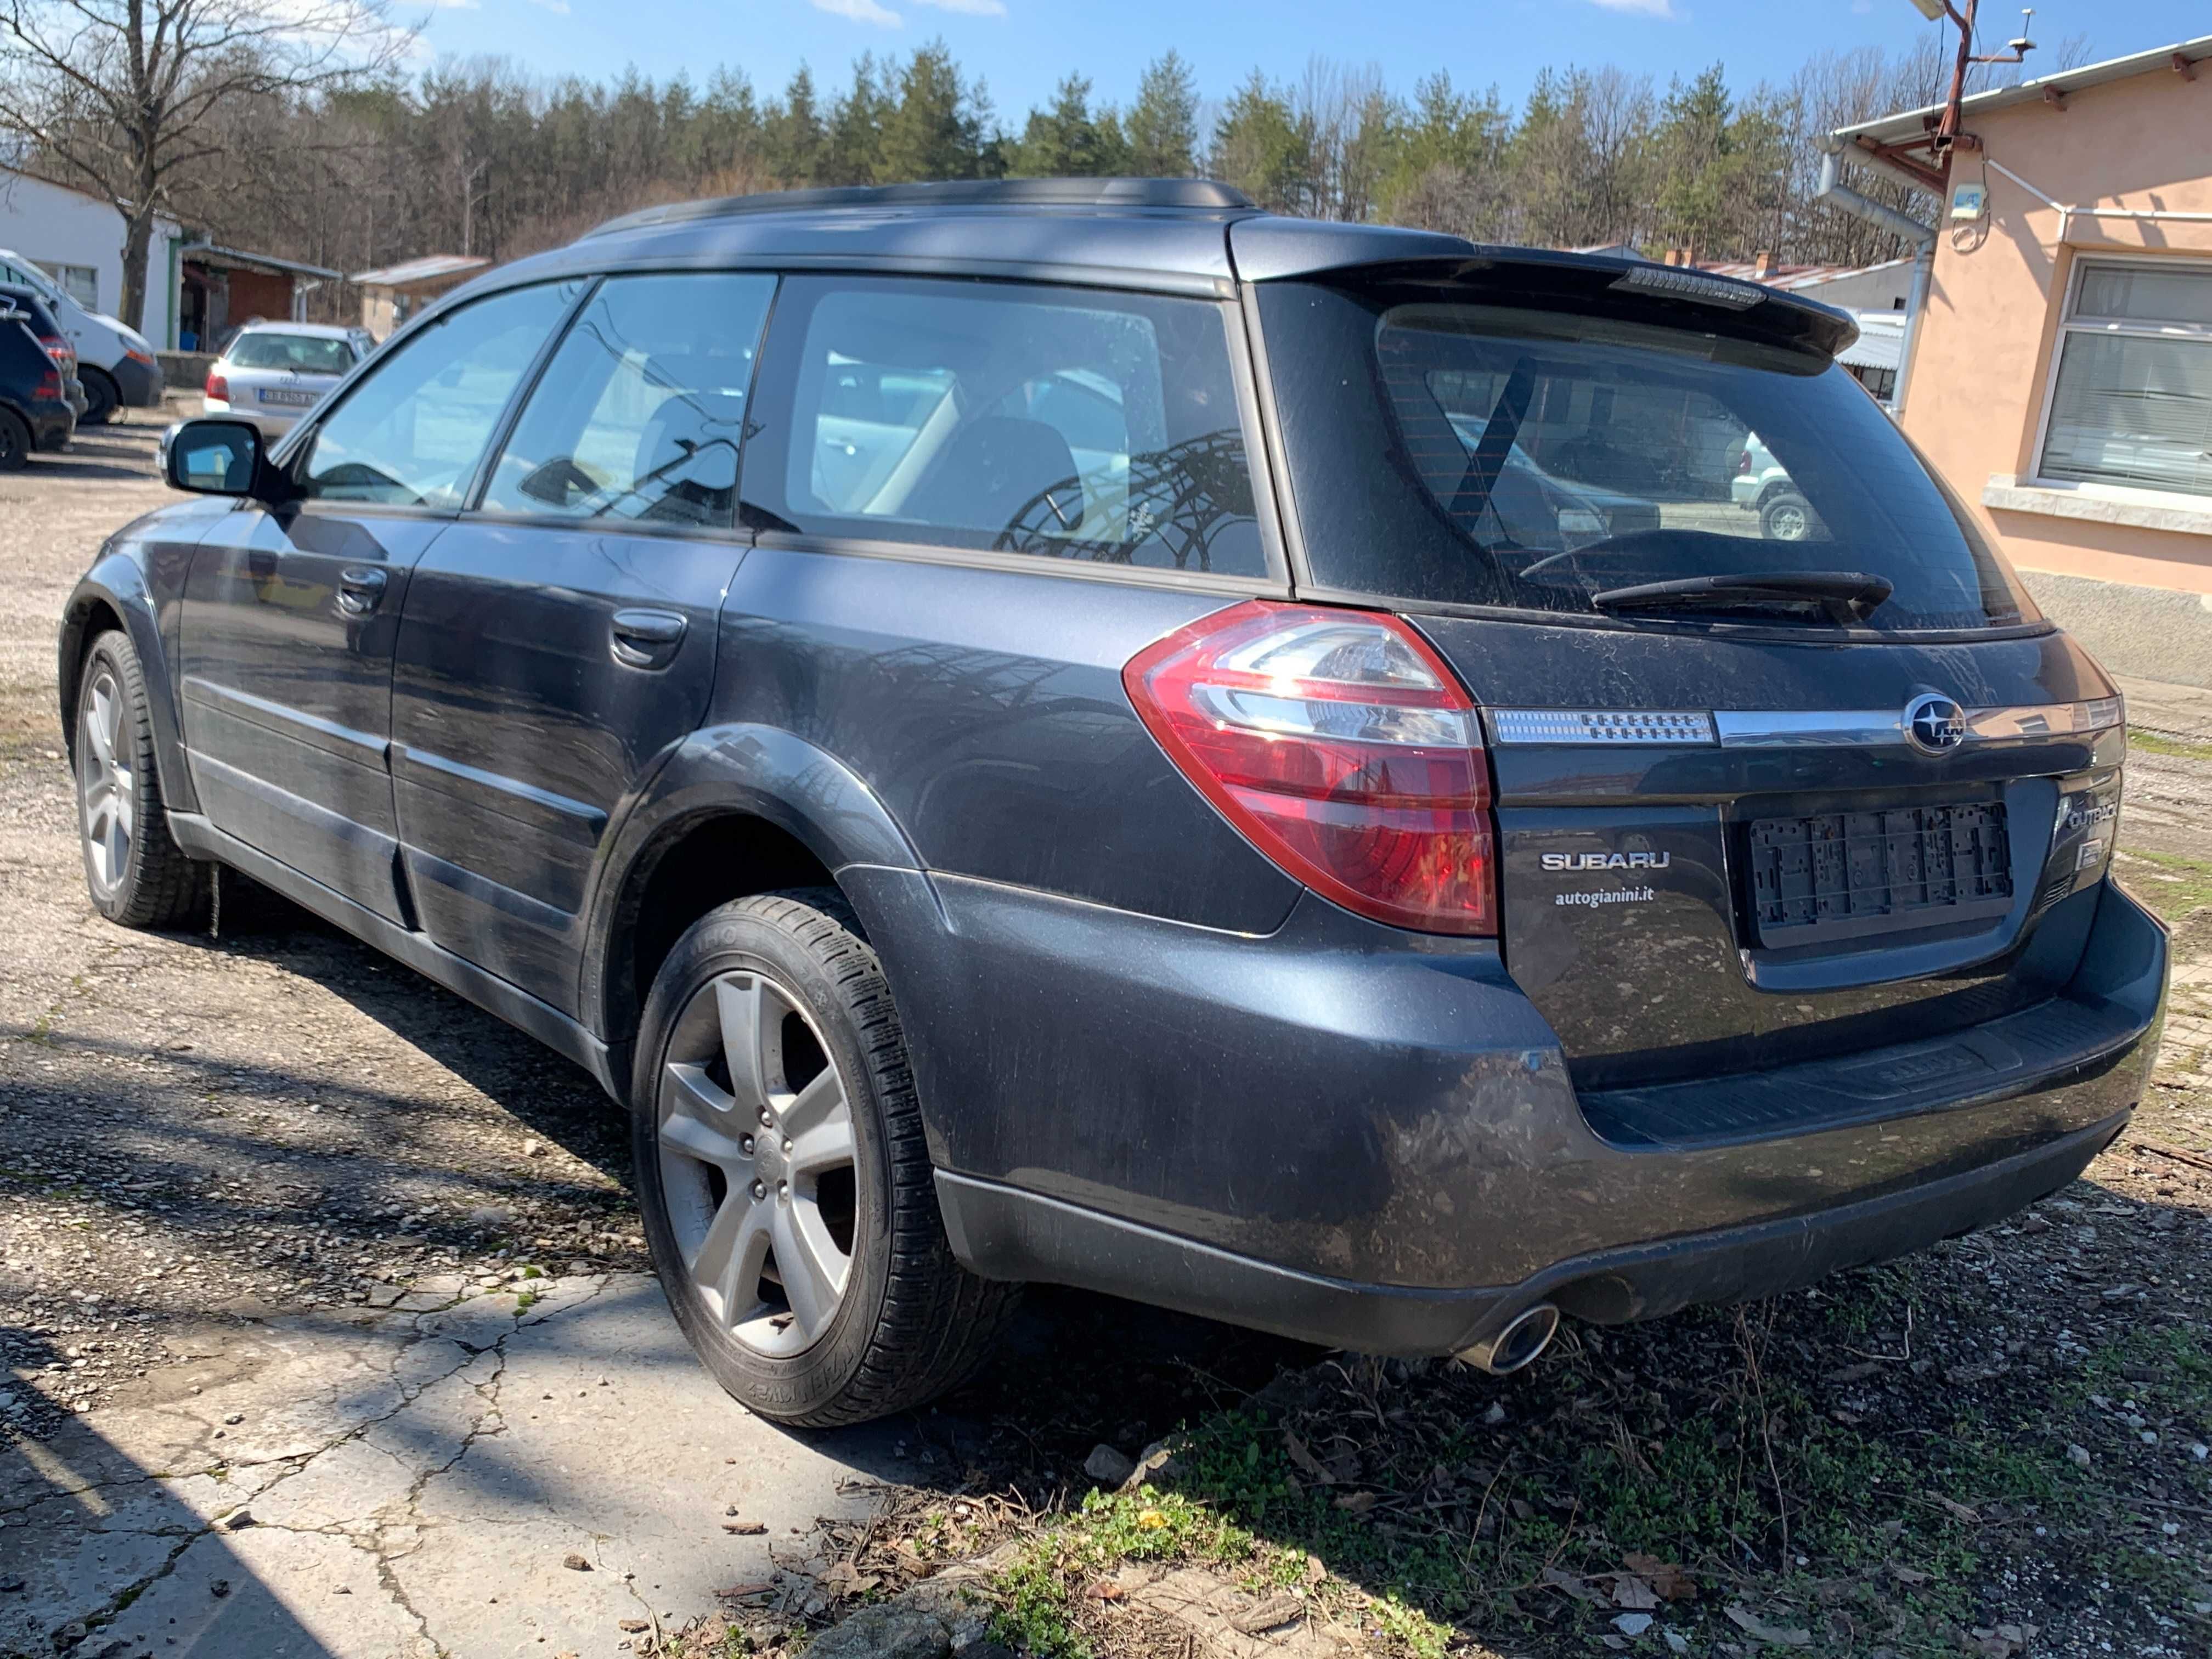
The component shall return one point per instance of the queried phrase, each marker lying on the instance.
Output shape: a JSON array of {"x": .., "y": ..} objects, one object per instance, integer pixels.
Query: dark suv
[
  {"x": 39, "y": 396},
  {"x": 1081, "y": 732}
]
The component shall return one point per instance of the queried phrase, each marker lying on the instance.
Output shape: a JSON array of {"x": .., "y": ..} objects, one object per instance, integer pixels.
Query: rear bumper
[
  {"x": 271, "y": 424},
  {"x": 53, "y": 424},
  {"x": 1023, "y": 1237},
  {"x": 1369, "y": 1139}
]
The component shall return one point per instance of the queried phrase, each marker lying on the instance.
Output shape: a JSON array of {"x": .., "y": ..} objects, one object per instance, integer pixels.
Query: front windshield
[{"x": 1558, "y": 457}]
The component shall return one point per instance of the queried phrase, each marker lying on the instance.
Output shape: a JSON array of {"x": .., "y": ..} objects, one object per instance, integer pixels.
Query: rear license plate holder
[{"x": 1831, "y": 876}]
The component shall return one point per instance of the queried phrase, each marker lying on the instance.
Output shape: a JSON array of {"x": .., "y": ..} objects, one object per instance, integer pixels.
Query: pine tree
[
  {"x": 1262, "y": 147},
  {"x": 1066, "y": 140},
  {"x": 934, "y": 128},
  {"x": 1162, "y": 125}
]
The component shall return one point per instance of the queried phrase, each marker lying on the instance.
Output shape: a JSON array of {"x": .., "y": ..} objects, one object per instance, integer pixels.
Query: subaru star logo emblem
[{"x": 1936, "y": 724}]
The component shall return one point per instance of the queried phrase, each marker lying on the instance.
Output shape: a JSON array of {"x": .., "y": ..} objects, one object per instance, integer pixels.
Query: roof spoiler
[{"x": 1679, "y": 295}]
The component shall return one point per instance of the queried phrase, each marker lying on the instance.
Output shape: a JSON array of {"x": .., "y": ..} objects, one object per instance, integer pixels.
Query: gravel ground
[
  {"x": 276, "y": 1118},
  {"x": 278, "y": 1121}
]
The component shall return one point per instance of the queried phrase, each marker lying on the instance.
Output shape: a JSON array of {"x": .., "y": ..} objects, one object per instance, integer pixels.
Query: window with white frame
[
  {"x": 2131, "y": 403},
  {"x": 80, "y": 283}
]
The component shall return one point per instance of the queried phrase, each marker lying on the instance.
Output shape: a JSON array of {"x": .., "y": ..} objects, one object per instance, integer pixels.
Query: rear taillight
[
  {"x": 59, "y": 349},
  {"x": 50, "y": 388},
  {"x": 218, "y": 388},
  {"x": 1340, "y": 744},
  {"x": 1743, "y": 463}
]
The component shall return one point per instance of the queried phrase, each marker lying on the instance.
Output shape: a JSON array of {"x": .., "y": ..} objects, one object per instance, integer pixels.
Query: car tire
[
  {"x": 137, "y": 875},
  {"x": 1786, "y": 516},
  {"x": 15, "y": 443},
  {"x": 102, "y": 395},
  {"x": 772, "y": 1015}
]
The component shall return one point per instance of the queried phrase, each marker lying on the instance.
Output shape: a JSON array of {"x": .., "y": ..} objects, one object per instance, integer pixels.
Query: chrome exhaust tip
[{"x": 1524, "y": 1336}]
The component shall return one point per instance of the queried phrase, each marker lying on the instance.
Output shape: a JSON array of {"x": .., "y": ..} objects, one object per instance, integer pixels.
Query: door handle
[
  {"x": 646, "y": 639},
  {"x": 359, "y": 588}
]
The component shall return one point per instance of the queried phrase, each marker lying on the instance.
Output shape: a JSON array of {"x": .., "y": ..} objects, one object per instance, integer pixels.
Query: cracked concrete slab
[{"x": 411, "y": 1483}]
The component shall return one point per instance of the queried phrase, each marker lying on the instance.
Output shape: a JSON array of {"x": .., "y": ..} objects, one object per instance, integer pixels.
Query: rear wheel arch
[
  {"x": 734, "y": 811},
  {"x": 690, "y": 866}
]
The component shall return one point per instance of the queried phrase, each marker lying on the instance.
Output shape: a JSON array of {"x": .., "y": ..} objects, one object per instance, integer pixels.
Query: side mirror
[{"x": 216, "y": 457}]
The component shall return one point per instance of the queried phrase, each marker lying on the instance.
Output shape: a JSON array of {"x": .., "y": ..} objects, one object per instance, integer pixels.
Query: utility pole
[{"x": 2016, "y": 50}]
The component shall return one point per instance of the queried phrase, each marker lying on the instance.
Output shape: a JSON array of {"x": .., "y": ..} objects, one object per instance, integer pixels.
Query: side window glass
[
  {"x": 411, "y": 434},
  {"x": 1058, "y": 423},
  {"x": 641, "y": 413}
]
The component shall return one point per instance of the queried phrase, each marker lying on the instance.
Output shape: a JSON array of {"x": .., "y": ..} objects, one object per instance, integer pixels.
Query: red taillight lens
[
  {"x": 218, "y": 388},
  {"x": 59, "y": 349},
  {"x": 1743, "y": 462},
  {"x": 1342, "y": 747},
  {"x": 49, "y": 389}
]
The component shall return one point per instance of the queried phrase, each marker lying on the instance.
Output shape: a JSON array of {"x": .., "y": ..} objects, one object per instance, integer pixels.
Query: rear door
[
  {"x": 1832, "y": 806},
  {"x": 558, "y": 642},
  {"x": 290, "y": 612}
]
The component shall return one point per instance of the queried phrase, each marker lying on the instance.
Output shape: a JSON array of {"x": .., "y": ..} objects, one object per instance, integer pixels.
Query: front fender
[
  {"x": 115, "y": 587},
  {"x": 742, "y": 768}
]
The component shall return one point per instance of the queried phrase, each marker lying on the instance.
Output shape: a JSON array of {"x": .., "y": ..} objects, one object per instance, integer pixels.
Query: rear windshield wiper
[{"x": 1855, "y": 592}]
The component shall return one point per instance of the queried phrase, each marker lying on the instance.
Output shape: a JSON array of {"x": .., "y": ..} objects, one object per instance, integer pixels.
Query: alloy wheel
[
  {"x": 1788, "y": 522},
  {"x": 105, "y": 782},
  {"x": 757, "y": 1161}
]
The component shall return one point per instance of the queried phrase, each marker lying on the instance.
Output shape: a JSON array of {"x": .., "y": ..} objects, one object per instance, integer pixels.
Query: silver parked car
[{"x": 272, "y": 373}]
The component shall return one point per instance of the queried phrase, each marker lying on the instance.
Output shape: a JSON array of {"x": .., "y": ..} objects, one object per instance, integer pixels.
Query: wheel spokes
[
  {"x": 821, "y": 1102},
  {"x": 827, "y": 1145},
  {"x": 811, "y": 1264},
  {"x": 751, "y": 1012},
  {"x": 700, "y": 1121},
  {"x": 743, "y": 1157},
  {"x": 100, "y": 728},
  {"x": 727, "y": 1263}
]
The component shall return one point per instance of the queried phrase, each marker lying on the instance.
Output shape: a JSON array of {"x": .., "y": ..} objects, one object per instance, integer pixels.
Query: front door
[
  {"x": 290, "y": 611},
  {"x": 556, "y": 643}
]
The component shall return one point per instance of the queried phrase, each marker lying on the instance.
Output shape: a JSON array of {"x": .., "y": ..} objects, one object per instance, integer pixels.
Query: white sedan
[{"x": 272, "y": 373}]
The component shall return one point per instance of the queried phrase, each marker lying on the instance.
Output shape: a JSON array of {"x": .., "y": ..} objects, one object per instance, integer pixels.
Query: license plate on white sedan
[{"x": 290, "y": 400}]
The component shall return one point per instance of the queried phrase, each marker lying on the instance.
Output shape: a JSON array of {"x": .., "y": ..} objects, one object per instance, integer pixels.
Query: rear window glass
[
  {"x": 306, "y": 354},
  {"x": 1489, "y": 455},
  {"x": 1058, "y": 423}
]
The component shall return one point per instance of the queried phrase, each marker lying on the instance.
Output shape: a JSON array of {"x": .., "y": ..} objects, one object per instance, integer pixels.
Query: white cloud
[
  {"x": 558, "y": 8},
  {"x": 971, "y": 8},
  {"x": 1640, "y": 8},
  {"x": 458, "y": 5},
  {"x": 861, "y": 11}
]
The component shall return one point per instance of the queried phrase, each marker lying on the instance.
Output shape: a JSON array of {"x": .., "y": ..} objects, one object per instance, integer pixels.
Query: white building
[{"x": 78, "y": 240}]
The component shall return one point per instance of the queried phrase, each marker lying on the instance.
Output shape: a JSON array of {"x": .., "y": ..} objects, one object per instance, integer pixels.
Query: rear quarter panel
[{"x": 984, "y": 708}]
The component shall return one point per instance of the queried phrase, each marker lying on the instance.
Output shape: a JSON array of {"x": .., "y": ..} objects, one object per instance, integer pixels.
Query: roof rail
[{"x": 1190, "y": 195}]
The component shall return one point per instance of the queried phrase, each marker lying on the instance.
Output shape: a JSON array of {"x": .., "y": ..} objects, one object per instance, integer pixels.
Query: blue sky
[{"x": 1022, "y": 47}]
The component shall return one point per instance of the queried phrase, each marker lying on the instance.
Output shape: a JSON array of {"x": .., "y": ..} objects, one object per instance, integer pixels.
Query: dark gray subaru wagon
[{"x": 1078, "y": 730}]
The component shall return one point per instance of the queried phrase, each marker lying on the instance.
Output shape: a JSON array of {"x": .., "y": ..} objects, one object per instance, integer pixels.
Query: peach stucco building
[{"x": 2059, "y": 368}]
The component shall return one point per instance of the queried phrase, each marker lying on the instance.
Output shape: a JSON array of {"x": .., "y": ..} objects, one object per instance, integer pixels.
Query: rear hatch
[
  {"x": 1785, "y": 773},
  {"x": 281, "y": 373}
]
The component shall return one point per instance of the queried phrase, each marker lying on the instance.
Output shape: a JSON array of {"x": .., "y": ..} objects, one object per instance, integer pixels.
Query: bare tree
[{"x": 122, "y": 95}]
